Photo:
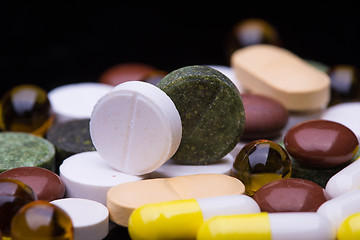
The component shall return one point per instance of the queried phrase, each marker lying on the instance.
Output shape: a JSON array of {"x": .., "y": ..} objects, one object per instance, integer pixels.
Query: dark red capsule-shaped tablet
[
  {"x": 290, "y": 195},
  {"x": 321, "y": 143},
  {"x": 46, "y": 184},
  {"x": 264, "y": 117}
]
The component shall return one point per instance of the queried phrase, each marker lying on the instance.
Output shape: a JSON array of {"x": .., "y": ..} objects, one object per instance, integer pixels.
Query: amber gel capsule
[{"x": 41, "y": 220}]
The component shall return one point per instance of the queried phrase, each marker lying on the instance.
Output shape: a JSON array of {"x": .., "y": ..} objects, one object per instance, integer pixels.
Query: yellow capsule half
[
  {"x": 157, "y": 220},
  {"x": 253, "y": 226},
  {"x": 350, "y": 228}
]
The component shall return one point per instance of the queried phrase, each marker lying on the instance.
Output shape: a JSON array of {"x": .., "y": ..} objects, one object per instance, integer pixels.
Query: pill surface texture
[
  {"x": 349, "y": 228},
  {"x": 124, "y": 198},
  {"x": 278, "y": 73},
  {"x": 321, "y": 143},
  {"x": 290, "y": 195},
  {"x": 135, "y": 128},
  {"x": 211, "y": 111},
  {"x": 25, "y": 150}
]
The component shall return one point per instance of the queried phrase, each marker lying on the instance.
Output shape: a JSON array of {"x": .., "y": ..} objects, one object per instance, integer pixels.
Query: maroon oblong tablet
[
  {"x": 290, "y": 195},
  {"x": 321, "y": 143},
  {"x": 47, "y": 185},
  {"x": 264, "y": 117}
]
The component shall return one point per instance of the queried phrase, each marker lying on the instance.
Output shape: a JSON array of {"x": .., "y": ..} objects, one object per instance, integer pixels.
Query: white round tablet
[
  {"x": 172, "y": 169},
  {"x": 87, "y": 175},
  {"x": 77, "y": 100},
  {"x": 347, "y": 114},
  {"x": 136, "y": 127},
  {"x": 90, "y": 219}
]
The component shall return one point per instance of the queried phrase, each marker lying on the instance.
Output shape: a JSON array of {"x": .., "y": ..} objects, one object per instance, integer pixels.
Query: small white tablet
[
  {"x": 90, "y": 218},
  {"x": 77, "y": 100},
  {"x": 87, "y": 175}
]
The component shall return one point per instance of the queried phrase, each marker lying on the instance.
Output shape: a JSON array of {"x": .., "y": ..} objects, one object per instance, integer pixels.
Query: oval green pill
[
  {"x": 211, "y": 110},
  {"x": 25, "y": 150}
]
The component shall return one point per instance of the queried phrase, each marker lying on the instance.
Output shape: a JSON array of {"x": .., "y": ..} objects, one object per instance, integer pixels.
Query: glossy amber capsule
[
  {"x": 345, "y": 84},
  {"x": 260, "y": 162},
  {"x": 13, "y": 195},
  {"x": 25, "y": 108},
  {"x": 41, "y": 220},
  {"x": 252, "y": 31}
]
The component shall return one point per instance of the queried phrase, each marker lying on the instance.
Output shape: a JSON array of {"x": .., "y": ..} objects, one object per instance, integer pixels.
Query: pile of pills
[{"x": 263, "y": 149}]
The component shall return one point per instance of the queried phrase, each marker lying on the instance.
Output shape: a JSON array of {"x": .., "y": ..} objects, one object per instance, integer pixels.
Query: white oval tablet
[
  {"x": 136, "y": 127},
  {"x": 90, "y": 219},
  {"x": 348, "y": 114},
  {"x": 76, "y": 101},
  {"x": 172, "y": 169},
  {"x": 87, "y": 175}
]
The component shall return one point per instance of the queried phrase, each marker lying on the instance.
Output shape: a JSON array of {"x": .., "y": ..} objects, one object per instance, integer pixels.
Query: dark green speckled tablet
[
  {"x": 25, "y": 150},
  {"x": 70, "y": 138},
  {"x": 211, "y": 111}
]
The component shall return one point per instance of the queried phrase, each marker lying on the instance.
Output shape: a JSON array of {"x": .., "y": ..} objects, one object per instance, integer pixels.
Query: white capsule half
[
  {"x": 268, "y": 226},
  {"x": 344, "y": 181},
  {"x": 336, "y": 210}
]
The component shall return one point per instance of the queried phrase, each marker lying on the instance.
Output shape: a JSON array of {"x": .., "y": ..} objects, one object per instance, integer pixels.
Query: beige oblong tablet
[
  {"x": 280, "y": 74},
  {"x": 125, "y": 198}
]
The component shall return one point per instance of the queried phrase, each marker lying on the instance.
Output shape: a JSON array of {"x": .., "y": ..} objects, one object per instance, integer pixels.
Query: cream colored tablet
[
  {"x": 90, "y": 219},
  {"x": 136, "y": 127},
  {"x": 280, "y": 74},
  {"x": 124, "y": 198}
]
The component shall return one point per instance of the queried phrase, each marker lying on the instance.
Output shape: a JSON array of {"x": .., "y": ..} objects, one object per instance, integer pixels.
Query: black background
[{"x": 56, "y": 45}]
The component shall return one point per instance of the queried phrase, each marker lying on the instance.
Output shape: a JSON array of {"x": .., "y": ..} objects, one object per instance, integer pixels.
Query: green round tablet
[
  {"x": 211, "y": 111},
  {"x": 25, "y": 150}
]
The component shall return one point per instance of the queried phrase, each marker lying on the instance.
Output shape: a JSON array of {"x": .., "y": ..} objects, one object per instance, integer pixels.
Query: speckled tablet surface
[
  {"x": 25, "y": 150},
  {"x": 211, "y": 110}
]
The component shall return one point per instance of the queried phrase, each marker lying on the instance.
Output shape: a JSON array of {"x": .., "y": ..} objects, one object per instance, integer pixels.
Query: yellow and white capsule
[
  {"x": 267, "y": 226},
  {"x": 181, "y": 219}
]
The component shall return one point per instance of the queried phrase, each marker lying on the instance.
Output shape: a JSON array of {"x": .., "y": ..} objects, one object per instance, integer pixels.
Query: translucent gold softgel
[
  {"x": 25, "y": 108},
  {"x": 260, "y": 162},
  {"x": 41, "y": 220}
]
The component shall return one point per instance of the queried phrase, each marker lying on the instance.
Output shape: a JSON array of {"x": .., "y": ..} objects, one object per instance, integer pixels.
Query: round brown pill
[
  {"x": 264, "y": 117},
  {"x": 321, "y": 143},
  {"x": 126, "y": 72},
  {"x": 46, "y": 184},
  {"x": 290, "y": 195}
]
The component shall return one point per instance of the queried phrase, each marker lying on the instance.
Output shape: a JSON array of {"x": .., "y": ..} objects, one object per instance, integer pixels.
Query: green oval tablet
[
  {"x": 25, "y": 150},
  {"x": 211, "y": 110}
]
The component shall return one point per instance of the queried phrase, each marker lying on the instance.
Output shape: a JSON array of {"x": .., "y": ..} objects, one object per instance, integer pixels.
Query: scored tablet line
[{"x": 129, "y": 131}]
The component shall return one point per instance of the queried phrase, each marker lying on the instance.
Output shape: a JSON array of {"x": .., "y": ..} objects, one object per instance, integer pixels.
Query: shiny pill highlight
[
  {"x": 267, "y": 226},
  {"x": 162, "y": 220}
]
